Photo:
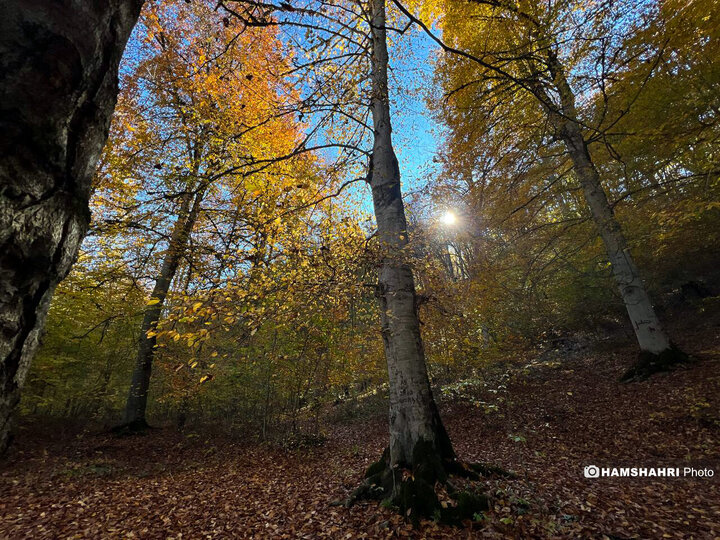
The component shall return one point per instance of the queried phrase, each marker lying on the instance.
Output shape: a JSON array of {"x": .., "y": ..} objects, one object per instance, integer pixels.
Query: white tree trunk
[
  {"x": 648, "y": 329},
  {"x": 413, "y": 414},
  {"x": 649, "y": 332},
  {"x": 58, "y": 86}
]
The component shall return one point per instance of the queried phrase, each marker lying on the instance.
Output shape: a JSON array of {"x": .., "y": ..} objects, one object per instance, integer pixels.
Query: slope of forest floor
[{"x": 544, "y": 418}]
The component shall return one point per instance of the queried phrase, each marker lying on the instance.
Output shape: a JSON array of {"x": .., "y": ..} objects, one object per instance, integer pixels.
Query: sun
[{"x": 448, "y": 218}]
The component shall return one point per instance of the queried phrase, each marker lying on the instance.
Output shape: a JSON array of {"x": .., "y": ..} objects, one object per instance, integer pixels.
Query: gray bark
[
  {"x": 649, "y": 332},
  {"x": 137, "y": 397},
  {"x": 58, "y": 86},
  {"x": 413, "y": 413}
]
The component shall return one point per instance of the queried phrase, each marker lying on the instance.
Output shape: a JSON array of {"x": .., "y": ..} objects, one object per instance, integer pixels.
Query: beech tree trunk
[
  {"x": 646, "y": 324},
  {"x": 137, "y": 397},
  {"x": 58, "y": 86},
  {"x": 414, "y": 416},
  {"x": 649, "y": 332}
]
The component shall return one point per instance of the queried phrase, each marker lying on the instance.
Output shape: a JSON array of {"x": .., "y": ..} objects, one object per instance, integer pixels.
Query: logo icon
[{"x": 591, "y": 471}]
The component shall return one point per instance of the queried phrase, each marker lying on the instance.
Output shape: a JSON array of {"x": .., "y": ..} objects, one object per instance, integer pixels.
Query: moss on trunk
[{"x": 413, "y": 488}]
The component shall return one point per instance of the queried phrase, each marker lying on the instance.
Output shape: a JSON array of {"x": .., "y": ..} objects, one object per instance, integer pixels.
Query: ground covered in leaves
[{"x": 546, "y": 417}]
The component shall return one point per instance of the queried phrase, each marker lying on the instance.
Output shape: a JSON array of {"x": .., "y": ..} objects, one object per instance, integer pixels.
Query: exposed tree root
[
  {"x": 648, "y": 364},
  {"x": 477, "y": 470},
  {"x": 424, "y": 489}
]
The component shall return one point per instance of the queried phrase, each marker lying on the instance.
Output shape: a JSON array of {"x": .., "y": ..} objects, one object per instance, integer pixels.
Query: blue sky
[{"x": 415, "y": 134}]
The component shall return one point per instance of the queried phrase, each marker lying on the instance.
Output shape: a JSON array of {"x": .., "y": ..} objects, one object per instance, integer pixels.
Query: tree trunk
[
  {"x": 58, "y": 86},
  {"x": 646, "y": 324},
  {"x": 420, "y": 455},
  {"x": 137, "y": 397},
  {"x": 414, "y": 417},
  {"x": 657, "y": 351}
]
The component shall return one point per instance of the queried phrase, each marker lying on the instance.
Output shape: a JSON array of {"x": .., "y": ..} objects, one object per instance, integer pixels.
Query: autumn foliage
[{"x": 234, "y": 260}]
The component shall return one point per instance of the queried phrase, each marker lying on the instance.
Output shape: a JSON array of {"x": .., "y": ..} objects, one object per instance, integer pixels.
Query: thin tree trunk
[
  {"x": 58, "y": 86},
  {"x": 414, "y": 416},
  {"x": 137, "y": 397},
  {"x": 657, "y": 351},
  {"x": 648, "y": 329}
]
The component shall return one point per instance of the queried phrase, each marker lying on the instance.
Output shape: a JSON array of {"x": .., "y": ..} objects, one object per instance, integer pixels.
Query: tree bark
[
  {"x": 651, "y": 337},
  {"x": 58, "y": 86},
  {"x": 646, "y": 324},
  {"x": 414, "y": 417},
  {"x": 137, "y": 397}
]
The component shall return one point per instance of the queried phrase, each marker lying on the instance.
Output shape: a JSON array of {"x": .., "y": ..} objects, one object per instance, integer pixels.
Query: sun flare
[{"x": 448, "y": 218}]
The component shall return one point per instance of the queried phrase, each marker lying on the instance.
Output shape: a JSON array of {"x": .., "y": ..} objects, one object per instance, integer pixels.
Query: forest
[{"x": 360, "y": 269}]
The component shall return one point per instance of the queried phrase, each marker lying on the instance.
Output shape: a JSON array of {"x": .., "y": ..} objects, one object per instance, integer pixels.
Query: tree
[
  {"x": 203, "y": 120},
  {"x": 59, "y": 64},
  {"x": 667, "y": 140},
  {"x": 416, "y": 430},
  {"x": 340, "y": 39},
  {"x": 507, "y": 47},
  {"x": 420, "y": 454},
  {"x": 137, "y": 397}
]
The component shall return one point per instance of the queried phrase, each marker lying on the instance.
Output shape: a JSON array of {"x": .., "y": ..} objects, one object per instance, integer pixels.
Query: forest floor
[{"x": 544, "y": 418}]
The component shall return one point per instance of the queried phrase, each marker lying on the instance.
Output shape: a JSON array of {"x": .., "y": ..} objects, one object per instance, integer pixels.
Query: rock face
[{"x": 58, "y": 86}]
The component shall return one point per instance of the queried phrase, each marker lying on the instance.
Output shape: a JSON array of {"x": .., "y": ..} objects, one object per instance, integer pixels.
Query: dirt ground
[{"x": 546, "y": 418}]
